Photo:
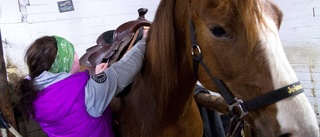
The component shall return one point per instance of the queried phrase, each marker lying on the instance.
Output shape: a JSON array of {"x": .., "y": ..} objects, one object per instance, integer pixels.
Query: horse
[{"x": 233, "y": 48}]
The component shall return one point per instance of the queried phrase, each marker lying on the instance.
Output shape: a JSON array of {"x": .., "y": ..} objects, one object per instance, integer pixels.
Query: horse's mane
[{"x": 162, "y": 51}]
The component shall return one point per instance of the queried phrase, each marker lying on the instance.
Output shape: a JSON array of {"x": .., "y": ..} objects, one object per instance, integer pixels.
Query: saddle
[{"x": 112, "y": 44}]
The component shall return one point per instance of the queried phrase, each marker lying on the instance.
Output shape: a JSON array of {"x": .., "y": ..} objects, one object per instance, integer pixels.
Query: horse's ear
[{"x": 278, "y": 14}]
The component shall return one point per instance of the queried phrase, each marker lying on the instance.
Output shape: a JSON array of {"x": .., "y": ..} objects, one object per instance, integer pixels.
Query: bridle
[{"x": 239, "y": 107}]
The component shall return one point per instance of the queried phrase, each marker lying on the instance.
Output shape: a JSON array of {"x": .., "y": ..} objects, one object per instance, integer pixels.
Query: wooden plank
[
  {"x": 307, "y": 76},
  {"x": 9, "y": 15},
  {"x": 314, "y": 101},
  {"x": 283, "y": 3},
  {"x": 311, "y": 85},
  {"x": 111, "y": 13},
  {"x": 300, "y": 22},
  {"x": 306, "y": 68},
  {"x": 312, "y": 93},
  {"x": 300, "y": 33},
  {"x": 44, "y": 2},
  {"x": 316, "y": 12},
  {"x": 309, "y": 54},
  {"x": 107, "y": 7}
]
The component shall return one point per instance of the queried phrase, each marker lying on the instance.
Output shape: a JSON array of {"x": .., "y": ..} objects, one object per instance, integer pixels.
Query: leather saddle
[{"x": 112, "y": 44}]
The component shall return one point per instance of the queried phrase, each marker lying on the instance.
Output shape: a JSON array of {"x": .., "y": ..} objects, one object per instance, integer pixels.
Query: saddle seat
[{"x": 112, "y": 44}]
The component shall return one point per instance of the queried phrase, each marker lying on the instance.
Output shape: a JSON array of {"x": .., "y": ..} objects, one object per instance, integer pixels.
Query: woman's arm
[{"x": 102, "y": 87}]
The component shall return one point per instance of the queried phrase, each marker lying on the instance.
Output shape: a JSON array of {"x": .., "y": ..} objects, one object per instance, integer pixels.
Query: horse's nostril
[{"x": 285, "y": 135}]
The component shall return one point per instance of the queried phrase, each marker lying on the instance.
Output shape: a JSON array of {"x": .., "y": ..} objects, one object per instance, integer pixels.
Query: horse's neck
[{"x": 178, "y": 97}]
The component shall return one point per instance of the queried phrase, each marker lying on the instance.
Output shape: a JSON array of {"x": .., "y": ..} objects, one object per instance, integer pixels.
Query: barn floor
[{"x": 31, "y": 129}]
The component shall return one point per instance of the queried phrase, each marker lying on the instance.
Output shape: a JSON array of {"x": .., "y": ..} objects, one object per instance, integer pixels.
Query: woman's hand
[
  {"x": 145, "y": 31},
  {"x": 101, "y": 67}
]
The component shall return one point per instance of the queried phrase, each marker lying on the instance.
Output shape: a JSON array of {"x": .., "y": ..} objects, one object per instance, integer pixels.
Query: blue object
[{"x": 3, "y": 122}]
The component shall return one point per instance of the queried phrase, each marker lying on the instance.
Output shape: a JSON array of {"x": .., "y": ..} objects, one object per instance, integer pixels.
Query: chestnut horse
[{"x": 230, "y": 46}]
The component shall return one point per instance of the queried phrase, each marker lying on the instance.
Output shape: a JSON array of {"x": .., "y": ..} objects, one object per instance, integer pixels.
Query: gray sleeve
[{"x": 101, "y": 88}]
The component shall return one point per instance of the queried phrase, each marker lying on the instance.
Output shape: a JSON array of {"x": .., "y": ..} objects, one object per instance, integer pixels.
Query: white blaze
[{"x": 295, "y": 114}]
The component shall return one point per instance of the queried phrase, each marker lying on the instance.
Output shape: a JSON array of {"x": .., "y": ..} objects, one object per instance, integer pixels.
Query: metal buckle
[
  {"x": 237, "y": 104},
  {"x": 235, "y": 125},
  {"x": 198, "y": 48}
]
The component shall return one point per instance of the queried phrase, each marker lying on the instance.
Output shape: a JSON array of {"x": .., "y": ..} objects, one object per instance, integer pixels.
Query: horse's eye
[{"x": 219, "y": 32}]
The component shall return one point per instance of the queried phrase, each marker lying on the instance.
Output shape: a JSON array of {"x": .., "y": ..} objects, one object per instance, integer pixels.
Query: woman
[{"x": 67, "y": 102}]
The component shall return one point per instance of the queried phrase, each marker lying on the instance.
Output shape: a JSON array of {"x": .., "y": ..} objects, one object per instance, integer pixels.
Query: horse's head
[{"x": 240, "y": 46}]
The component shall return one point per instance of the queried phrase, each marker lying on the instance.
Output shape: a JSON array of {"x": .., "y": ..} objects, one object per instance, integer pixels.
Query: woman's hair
[{"x": 39, "y": 57}]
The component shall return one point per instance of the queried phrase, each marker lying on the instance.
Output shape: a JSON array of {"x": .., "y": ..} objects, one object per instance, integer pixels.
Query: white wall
[
  {"x": 300, "y": 34},
  {"x": 23, "y": 21}
]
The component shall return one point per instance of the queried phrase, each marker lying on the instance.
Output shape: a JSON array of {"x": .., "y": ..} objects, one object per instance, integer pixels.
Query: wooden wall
[{"x": 22, "y": 21}]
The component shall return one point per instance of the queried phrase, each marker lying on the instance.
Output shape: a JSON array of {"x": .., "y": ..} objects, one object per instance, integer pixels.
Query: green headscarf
[{"x": 65, "y": 55}]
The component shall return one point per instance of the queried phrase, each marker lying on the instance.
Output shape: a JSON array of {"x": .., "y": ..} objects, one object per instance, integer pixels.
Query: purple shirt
[{"x": 61, "y": 111}]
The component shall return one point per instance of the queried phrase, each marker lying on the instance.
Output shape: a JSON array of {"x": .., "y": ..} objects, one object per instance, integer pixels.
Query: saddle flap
[
  {"x": 97, "y": 57},
  {"x": 84, "y": 58},
  {"x": 104, "y": 41}
]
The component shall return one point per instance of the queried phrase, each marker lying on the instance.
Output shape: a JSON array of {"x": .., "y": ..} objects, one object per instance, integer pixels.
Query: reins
[{"x": 239, "y": 107}]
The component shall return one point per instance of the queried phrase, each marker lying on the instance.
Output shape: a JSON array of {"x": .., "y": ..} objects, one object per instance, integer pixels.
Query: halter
[{"x": 242, "y": 107}]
